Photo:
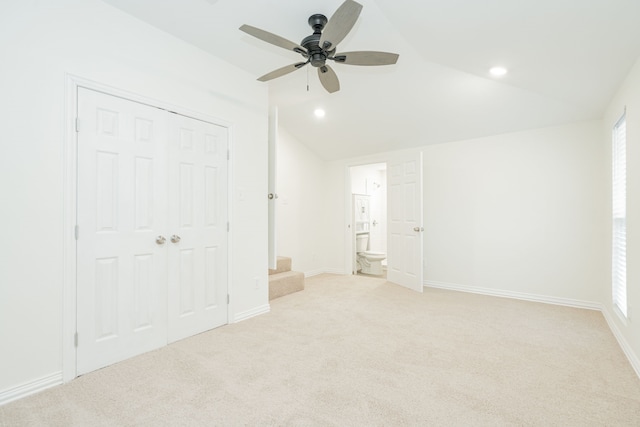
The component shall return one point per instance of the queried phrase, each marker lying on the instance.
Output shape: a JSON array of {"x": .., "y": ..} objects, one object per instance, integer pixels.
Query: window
[{"x": 619, "y": 191}]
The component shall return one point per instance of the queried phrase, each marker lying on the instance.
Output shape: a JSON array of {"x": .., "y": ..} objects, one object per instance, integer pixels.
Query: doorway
[
  {"x": 404, "y": 217},
  {"x": 369, "y": 196}
]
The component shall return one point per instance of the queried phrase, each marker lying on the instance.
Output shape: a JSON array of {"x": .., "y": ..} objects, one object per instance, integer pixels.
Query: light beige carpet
[{"x": 358, "y": 351}]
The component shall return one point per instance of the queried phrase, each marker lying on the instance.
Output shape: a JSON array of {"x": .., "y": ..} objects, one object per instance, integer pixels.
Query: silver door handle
[
  {"x": 175, "y": 239},
  {"x": 272, "y": 196},
  {"x": 160, "y": 240},
  {"x": 418, "y": 229}
]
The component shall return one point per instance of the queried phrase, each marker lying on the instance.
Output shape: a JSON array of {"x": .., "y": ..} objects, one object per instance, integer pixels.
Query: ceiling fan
[{"x": 321, "y": 46}]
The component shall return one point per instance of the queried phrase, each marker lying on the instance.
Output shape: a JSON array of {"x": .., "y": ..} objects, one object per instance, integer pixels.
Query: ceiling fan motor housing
[{"x": 317, "y": 55}]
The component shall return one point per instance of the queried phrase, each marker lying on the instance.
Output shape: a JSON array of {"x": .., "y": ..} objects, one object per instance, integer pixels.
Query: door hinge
[
  {"x": 228, "y": 154},
  {"x": 75, "y": 339},
  {"x": 77, "y": 124},
  {"x": 228, "y": 299},
  {"x": 228, "y": 226},
  {"x": 76, "y": 231}
]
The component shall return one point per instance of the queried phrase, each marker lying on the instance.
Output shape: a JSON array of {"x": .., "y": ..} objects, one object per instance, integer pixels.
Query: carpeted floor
[{"x": 359, "y": 351}]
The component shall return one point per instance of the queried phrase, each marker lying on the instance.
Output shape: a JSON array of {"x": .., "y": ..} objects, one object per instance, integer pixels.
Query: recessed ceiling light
[
  {"x": 319, "y": 112},
  {"x": 498, "y": 71}
]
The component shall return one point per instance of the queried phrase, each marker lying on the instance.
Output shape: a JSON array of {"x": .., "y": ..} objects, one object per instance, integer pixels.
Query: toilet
[{"x": 369, "y": 262}]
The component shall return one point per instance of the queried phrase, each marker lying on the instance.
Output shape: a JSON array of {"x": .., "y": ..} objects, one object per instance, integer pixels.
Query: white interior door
[
  {"x": 404, "y": 195},
  {"x": 121, "y": 270},
  {"x": 198, "y": 219}
]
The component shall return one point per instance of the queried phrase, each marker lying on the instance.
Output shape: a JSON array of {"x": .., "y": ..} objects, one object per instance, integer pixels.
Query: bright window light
[{"x": 619, "y": 204}]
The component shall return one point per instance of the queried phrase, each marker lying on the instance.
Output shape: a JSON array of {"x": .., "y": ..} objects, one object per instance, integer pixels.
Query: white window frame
[{"x": 619, "y": 217}]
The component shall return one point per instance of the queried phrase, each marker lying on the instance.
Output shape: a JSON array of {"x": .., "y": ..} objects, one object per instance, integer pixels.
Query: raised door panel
[
  {"x": 186, "y": 192},
  {"x": 187, "y": 282},
  {"x": 145, "y": 297},
  {"x": 211, "y": 277},
  {"x": 106, "y": 299},
  {"x": 143, "y": 193}
]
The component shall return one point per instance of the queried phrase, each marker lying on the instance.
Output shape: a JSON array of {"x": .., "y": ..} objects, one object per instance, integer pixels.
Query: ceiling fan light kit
[{"x": 321, "y": 46}]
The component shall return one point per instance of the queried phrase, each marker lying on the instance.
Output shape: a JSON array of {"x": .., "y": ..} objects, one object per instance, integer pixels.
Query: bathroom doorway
[{"x": 369, "y": 218}]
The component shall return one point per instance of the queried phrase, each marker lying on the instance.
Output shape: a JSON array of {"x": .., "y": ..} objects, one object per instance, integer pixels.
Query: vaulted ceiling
[{"x": 565, "y": 59}]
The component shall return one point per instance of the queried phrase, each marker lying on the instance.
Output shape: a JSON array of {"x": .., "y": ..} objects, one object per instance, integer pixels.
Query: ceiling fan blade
[
  {"x": 328, "y": 78},
  {"x": 343, "y": 19},
  {"x": 366, "y": 58},
  {"x": 273, "y": 39},
  {"x": 282, "y": 71}
]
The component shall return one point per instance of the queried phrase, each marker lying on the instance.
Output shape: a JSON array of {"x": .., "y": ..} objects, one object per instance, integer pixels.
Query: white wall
[
  {"x": 301, "y": 205},
  {"x": 519, "y": 212},
  {"x": 628, "y": 96},
  {"x": 42, "y": 41}
]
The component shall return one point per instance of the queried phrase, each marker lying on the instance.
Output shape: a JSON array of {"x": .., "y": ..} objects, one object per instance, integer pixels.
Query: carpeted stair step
[
  {"x": 281, "y": 284},
  {"x": 283, "y": 264}
]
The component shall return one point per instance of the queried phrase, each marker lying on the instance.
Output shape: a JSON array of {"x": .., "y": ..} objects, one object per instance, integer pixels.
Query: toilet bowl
[{"x": 369, "y": 262}]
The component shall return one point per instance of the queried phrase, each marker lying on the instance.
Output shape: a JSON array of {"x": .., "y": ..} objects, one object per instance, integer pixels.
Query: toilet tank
[{"x": 361, "y": 242}]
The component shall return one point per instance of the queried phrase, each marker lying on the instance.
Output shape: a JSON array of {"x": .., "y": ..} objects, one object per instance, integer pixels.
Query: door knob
[
  {"x": 418, "y": 229},
  {"x": 175, "y": 238},
  {"x": 160, "y": 240}
]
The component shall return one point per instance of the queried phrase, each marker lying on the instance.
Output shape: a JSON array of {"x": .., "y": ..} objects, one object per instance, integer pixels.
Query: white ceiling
[{"x": 565, "y": 59}]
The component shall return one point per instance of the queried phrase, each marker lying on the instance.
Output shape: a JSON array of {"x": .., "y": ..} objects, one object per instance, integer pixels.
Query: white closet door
[
  {"x": 198, "y": 220},
  {"x": 405, "y": 232},
  {"x": 122, "y": 273}
]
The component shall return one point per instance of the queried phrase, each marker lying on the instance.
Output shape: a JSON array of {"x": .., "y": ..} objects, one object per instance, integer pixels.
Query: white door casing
[
  {"x": 144, "y": 174},
  {"x": 121, "y": 271},
  {"x": 272, "y": 185},
  {"x": 405, "y": 228},
  {"x": 198, "y": 214}
]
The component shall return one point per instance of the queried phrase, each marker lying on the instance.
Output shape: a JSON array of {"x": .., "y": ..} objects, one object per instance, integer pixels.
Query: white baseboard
[
  {"x": 313, "y": 273},
  {"x": 337, "y": 271},
  {"x": 26, "y": 389},
  {"x": 515, "y": 295},
  {"x": 626, "y": 348},
  {"x": 239, "y": 317}
]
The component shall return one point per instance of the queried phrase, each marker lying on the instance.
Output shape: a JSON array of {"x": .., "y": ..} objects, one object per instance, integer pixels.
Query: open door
[{"x": 405, "y": 228}]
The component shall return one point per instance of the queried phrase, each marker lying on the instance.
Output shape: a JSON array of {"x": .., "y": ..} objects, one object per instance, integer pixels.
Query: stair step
[
  {"x": 282, "y": 264},
  {"x": 281, "y": 284}
]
